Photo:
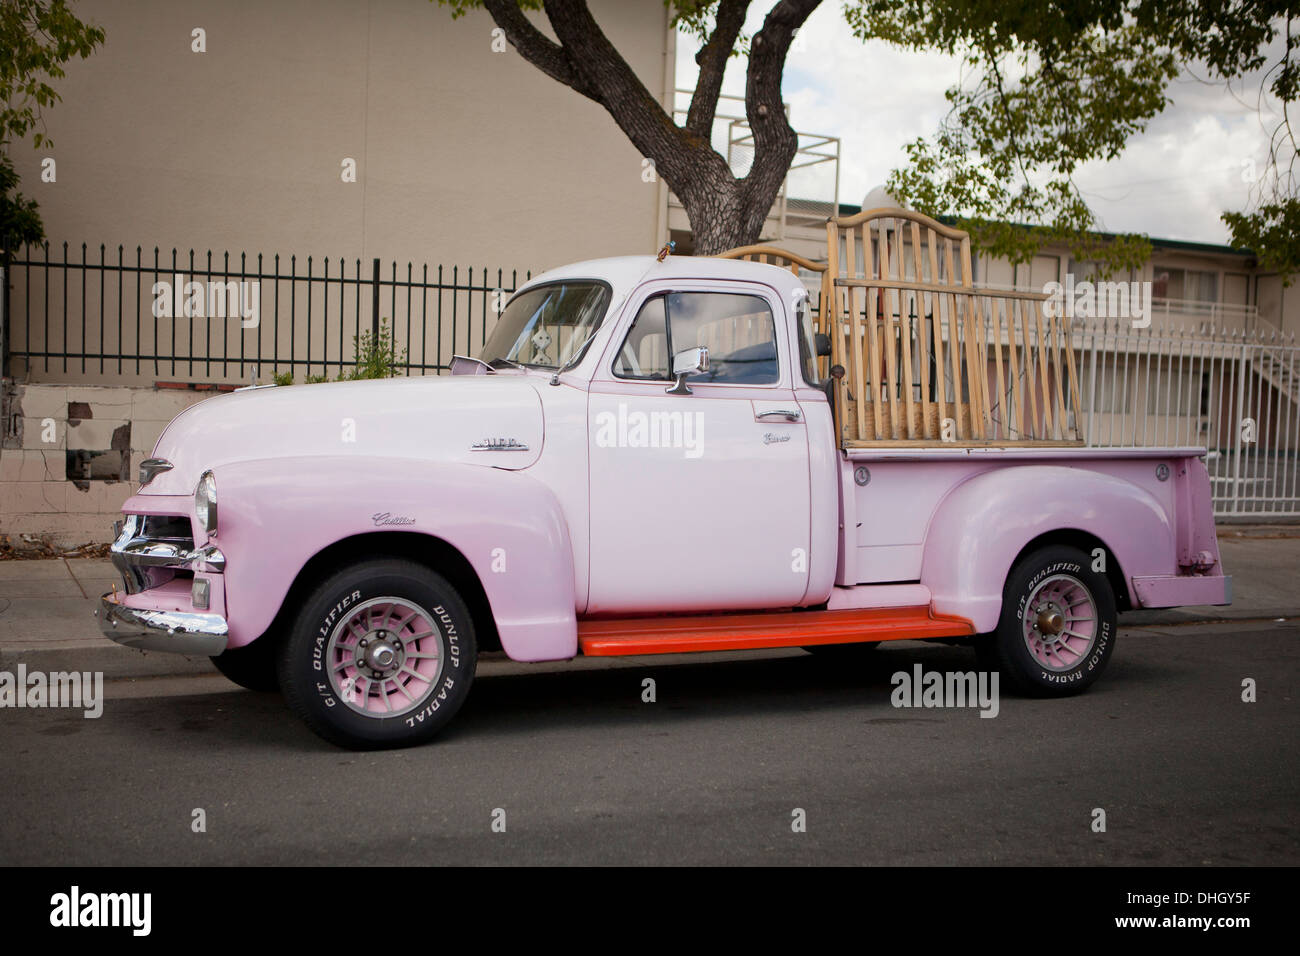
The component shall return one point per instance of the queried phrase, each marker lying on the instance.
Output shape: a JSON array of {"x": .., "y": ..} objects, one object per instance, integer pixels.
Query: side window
[
  {"x": 645, "y": 350},
  {"x": 738, "y": 330}
]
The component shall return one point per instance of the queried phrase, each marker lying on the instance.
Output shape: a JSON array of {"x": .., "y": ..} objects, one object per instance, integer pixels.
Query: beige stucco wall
[
  {"x": 463, "y": 155},
  {"x": 40, "y": 508}
]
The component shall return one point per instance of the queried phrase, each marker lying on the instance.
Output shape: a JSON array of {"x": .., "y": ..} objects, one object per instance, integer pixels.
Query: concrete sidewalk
[{"x": 46, "y": 606}]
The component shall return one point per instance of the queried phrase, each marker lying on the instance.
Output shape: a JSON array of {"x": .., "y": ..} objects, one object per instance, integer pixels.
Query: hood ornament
[{"x": 498, "y": 444}]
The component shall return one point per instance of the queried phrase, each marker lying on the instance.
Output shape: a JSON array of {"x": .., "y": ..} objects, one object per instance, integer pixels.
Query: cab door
[{"x": 698, "y": 501}]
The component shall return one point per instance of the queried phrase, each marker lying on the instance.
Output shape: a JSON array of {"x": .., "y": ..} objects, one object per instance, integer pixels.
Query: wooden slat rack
[{"x": 928, "y": 357}]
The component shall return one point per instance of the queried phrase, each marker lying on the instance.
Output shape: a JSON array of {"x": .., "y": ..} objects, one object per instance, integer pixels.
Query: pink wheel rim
[
  {"x": 1059, "y": 622},
  {"x": 385, "y": 658}
]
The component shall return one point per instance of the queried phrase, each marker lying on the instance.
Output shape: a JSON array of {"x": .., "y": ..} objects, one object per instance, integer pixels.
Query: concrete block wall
[{"x": 48, "y": 504}]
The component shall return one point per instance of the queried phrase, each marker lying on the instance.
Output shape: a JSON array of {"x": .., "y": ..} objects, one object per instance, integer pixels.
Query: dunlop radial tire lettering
[{"x": 381, "y": 654}]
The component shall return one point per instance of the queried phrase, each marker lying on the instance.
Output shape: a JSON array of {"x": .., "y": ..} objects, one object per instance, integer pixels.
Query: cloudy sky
[{"x": 1172, "y": 182}]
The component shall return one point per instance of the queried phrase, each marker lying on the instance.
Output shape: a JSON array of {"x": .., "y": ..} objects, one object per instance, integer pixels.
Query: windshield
[{"x": 546, "y": 326}]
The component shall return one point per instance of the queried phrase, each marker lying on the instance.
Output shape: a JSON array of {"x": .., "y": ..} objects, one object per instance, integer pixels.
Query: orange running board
[{"x": 749, "y": 631}]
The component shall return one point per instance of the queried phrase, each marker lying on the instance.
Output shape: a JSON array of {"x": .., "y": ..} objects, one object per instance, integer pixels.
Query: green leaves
[
  {"x": 36, "y": 38},
  {"x": 699, "y": 19},
  {"x": 20, "y": 223},
  {"x": 375, "y": 355},
  {"x": 1272, "y": 232},
  {"x": 460, "y": 7},
  {"x": 1049, "y": 87}
]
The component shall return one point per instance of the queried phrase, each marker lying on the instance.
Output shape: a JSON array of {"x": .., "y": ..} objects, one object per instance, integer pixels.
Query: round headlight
[{"x": 205, "y": 502}]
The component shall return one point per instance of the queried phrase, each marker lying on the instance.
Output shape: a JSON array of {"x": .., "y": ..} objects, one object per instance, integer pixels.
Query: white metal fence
[{"x": 1236, "y": 393}]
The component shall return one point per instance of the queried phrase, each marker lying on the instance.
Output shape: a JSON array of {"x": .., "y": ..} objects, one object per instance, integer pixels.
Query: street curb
[{"x": 1210, "y": 615}]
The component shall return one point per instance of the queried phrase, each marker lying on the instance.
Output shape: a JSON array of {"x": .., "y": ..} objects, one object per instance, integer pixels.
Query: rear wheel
[
  {"x": 382, "y": 655},
  {"x": 1058, "y": 623}
]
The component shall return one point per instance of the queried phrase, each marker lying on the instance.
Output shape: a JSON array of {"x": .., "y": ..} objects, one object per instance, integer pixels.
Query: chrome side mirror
[{"x": 686, "y": 363}]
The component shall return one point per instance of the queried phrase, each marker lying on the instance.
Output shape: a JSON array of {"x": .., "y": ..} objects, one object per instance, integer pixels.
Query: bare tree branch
[
  {"x": 723, "y": 210},
  {"x": 775, "y": 141},
  {"x": 712, "y": 60},
  {"x": 677, "y": 153},
  {"x": 535, "y": 47}
]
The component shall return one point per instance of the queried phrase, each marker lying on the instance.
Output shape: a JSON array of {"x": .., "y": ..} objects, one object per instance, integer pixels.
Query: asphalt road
[{"x": 586, "y": 772}]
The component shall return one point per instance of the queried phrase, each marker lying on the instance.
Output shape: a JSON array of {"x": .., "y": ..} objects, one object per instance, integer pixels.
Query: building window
[
  {"x": 1186, "y": 284},
  {"x": 1178, "y": 393}
]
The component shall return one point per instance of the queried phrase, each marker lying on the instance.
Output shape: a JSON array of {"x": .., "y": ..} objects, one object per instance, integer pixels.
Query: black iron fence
[{"x": 103, "y": 315}]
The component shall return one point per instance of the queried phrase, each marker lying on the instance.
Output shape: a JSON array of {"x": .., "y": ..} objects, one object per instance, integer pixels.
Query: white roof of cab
[{"x": 625, "y": 273}]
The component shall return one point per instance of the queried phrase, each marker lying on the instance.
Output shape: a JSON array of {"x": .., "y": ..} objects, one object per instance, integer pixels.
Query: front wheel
[
  {"x": 382, "y": 655},
  {"x": 1058, "y": 623}
]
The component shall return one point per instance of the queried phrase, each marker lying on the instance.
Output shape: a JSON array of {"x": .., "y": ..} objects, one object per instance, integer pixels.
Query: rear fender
[{"x": 983, "y": 524}]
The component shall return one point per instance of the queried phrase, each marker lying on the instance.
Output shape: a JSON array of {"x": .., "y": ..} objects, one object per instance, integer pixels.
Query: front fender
[
  {"x": 276, "y": 514},
  {"x": 983, "y": 524}
]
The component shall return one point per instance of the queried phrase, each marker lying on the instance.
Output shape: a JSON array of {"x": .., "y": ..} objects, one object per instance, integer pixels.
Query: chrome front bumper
[
  {"x": 150, "y": 557},
  {"x": 180, "y": 632},
  {"x": 147, "y": 560}
]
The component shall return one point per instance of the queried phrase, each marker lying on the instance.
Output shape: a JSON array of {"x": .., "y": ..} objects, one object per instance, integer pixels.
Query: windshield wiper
[
  {"x": 510, "y": 363},
  {"x": 574, "y": 359}
]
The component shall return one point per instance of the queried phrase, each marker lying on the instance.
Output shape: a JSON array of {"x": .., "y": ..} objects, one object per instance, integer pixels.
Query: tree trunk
[
  {"x": 724, "y": 212},
  {"x": 713, "y": 204}
]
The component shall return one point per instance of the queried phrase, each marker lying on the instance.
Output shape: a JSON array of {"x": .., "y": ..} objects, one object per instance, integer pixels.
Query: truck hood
[{"x": 429, "y": 418}]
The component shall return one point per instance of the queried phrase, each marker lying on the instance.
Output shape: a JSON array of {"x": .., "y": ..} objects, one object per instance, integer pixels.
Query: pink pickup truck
[{"x": 642, "y": 460}]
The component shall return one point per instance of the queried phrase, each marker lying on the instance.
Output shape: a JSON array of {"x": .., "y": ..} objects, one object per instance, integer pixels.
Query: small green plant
[{"x": 376, "y": 357}]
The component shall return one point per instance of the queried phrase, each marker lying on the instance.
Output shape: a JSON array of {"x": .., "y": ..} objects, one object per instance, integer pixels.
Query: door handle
[{"x": 781, "y": 414}]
